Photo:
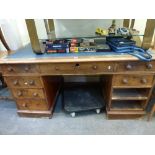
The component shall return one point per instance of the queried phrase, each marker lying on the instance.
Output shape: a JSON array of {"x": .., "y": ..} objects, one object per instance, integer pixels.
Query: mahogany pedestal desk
[{"x": 35, "y": 80}]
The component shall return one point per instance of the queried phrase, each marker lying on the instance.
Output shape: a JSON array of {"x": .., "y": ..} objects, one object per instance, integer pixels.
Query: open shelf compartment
[
  {"x": 134, "y": 105},
  {"x": 82, "y": 97},
  {"x": 130, "y": 94}
]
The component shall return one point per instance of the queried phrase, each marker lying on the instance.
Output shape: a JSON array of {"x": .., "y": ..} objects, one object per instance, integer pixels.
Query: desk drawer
[
  {"x": 135, "y": 66},
  {"x": 20, "y": 68},
  {"x": 132, "y": 80},
  {"x": 28, "y": 93},
  {"x": 28, "y": 104},
  {"x": 0, "y": 69},
  {"x": 77, "y": 68},
  {"x": 24, "y": 82}
]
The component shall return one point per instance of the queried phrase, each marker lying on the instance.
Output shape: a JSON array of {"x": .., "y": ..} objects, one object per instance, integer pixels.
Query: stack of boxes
[
  {"x": 75, "y": 45},
  {"x": 57, "y": 46},
  {"x": 82, "y": 45}
]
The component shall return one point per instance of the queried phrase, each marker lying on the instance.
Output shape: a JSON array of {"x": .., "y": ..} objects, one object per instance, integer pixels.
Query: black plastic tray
[{"x": 83, "y": 97}]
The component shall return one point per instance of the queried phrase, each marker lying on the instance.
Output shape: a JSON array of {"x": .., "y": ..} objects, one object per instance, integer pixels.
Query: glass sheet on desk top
[{"x": 51, "y": 36}]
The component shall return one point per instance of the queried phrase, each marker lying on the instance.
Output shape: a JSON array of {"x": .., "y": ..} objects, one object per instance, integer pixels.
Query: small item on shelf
[
  {"x": 103, "y": 48},
  {"x": 87, "y": 49},
  {"x": 84, "y": 44},
  {"x": 123, "y": 31},
  {"x": 76, "y": 40},
  {"x": 74, "y": 45},
  {"x": 112, "y": 28},
  {"x": 52, "y": 51},
  {"x": 101, "y": 31}
]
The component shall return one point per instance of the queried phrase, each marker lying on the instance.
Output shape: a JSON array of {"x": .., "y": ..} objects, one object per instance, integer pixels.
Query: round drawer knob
[
  {"x": 125, "y": 81},
  {"x": 24, "y": 105},
  {"x": 56, "y": 68},
  {"x": 143, "y": 80},
  {"x": 27, "y": 68},
  {"x": 10, "y": 69},
  {"x": 26, "y": 83},
  {"x": 31, "y": 82},
  {"x": 149, "y": 66},
  {"x": 94, "y": 67},
  {"x": 19, "y": 93},
  {"x": 128, "y": 67},
  {"x": 109, "y": 67},
  {"x": 15, "y": 82},
  {"x": 35, "y": 94}
]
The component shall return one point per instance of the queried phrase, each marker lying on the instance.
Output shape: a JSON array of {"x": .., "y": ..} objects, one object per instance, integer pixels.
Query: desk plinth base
[
  {"x": 35, "y": 114},
  {"x": 125, "y": 114}
]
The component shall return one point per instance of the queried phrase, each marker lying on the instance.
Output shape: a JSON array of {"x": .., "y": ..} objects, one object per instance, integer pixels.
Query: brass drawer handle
[
  {"x": 19, "y": 93},
  {"x": 27, "y": 68},
  {"x": 143, "y": 80},
  {"x": 15, "y": 82},
  {"x": 10, "y": 69},
  {"x": 26, "y": 83},
  {"x": 125, "y": 81},
  {"x": 24, "y": 105},
  {"x": 56, "y": 68},
  {"x": 31, "y": 82},
  {"x": 149, "y": 66},
  {"x": 109, "y": 67},
  {"x": 94, "y": 67},
  {"x": 128, "y": 67},
  {"x": 35, "y": 94}
]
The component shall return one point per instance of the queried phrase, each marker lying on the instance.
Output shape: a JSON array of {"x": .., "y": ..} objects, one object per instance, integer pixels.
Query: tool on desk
[
  {"x": 124, "y": 45},
  {"x": 101, "y": 31}
]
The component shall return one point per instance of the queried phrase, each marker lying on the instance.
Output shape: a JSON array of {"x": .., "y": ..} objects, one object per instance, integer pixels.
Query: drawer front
[
  {"x": 0, "y": 69},
  {"x": 24, "y": 82},
  {"x": 19, "y": 69},
  {"x": 28, "y": 93},
  {"x": 133, "y": 80},
  {"x": 28, "y": 104},
  {"x": 135, "y": 66},
  {"x": 77, "y": 68}
]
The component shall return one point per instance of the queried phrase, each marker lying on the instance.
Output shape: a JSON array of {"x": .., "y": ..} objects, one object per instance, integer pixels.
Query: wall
[{"x": 81, "y": 27}]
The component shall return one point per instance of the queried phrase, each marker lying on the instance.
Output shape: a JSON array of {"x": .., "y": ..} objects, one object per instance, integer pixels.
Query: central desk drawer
[
  {"x": 24, "y": 82},
  {"x": 28, "y": 104},
  {"x": 77, "y": 68},
  {"x": 20, "y": 68},
  {"x": 132, "y": 80},
  {"x": 28, "y": 93}
]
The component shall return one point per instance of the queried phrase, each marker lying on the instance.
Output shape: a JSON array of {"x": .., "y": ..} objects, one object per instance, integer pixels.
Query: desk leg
[{"x": 151, "y": 113}]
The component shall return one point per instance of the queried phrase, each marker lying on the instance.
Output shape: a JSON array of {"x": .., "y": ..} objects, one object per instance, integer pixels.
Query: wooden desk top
[{"x": 26, "y": 55}]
